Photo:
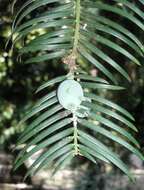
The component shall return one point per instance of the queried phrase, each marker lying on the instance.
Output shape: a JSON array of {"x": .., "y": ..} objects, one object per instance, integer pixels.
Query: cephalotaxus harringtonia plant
[{"x": 76, "y": 30}]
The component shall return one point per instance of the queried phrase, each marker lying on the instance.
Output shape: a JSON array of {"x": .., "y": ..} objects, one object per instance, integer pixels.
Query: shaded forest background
[{"x": 18, "y": 83}]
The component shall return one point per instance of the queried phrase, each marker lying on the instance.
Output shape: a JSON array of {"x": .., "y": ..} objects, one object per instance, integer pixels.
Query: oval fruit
[{"x": 70, "y": 94}]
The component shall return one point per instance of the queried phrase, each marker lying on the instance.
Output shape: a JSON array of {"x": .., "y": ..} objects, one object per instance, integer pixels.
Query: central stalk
[
  {"x": 77, "y": 27},
  {"x": 76, "y": 148},
  {"x": 70, "y": 60}
]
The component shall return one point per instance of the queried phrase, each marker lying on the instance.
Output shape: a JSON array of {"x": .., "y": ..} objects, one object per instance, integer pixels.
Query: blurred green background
[{"x": 18, "y": 83}]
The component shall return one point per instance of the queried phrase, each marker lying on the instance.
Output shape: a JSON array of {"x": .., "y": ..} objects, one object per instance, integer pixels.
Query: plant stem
[
  {"x": 77, "y": 26},
  {"x": 70, "y": 60},
  {"x": 76, "y": 151}
]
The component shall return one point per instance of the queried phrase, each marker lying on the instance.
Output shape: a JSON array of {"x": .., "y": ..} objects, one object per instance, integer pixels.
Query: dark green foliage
[{"x": 77, "y": 30}]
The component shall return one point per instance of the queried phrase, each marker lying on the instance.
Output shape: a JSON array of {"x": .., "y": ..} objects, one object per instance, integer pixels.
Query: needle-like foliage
[{"x": 76, "y": 30}]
